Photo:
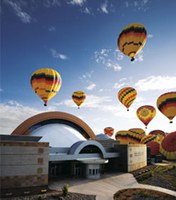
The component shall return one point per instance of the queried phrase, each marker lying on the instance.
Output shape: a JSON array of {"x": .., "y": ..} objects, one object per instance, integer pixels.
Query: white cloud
[
  {"x": 77, "y": 2},
  {"x": 156, "y": 83},
  {"x": 91, "y": 86},
  {"x": 1, "y": 90},
  {"x": 17, "y": 8},
  {"x": 86, "y": 10},
  {"x": 109, "y": 58},
  {"x": 104, "y": 7},
  {"x": 137, "y": 4},
  {"x": 87, "y": 76},
  {"x": 12, "y": 114},
  {"x": 55, "y": 54},
  {"x": 139, "y": 57},
  {"x": 149, "y": 36}
]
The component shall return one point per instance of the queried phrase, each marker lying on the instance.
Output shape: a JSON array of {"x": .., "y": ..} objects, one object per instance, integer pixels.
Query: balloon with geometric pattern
[
  {"x": 132, "y": 39},
  {"x": 146, "y": 113},
  {"x": 78, "y": 97},
  {"x": 166, "y": 104},
  {"x": 109, "y": 131},
  {"x": 126, "y": 96},
  {"x": 46, "y": 82},
  {"x": 161, "y": 134},
  {"x": 135, "y": 135}
]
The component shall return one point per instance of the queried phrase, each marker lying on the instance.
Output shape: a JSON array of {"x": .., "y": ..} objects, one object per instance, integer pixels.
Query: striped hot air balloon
[
  {"x": 78, "y": 97},
  {"x": 146, "y": 113},
  {"x": 122, "y": 137},
  {"x": 148, "y": 138},
  {"x": 132, "y": 39},
  {"x": 166, "y": 104},
  {"x": 168, "y": 146},
  {"x": 135, "y": 135},
  {"x": 126, "y": 96},
  {"x": 109, "y": 131},
  {"x": 161, "y": 134},
  {"x": 46, "y": 82}
]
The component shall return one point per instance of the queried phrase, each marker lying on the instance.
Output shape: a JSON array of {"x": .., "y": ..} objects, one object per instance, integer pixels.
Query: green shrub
[{"x": 65, "y": 190}]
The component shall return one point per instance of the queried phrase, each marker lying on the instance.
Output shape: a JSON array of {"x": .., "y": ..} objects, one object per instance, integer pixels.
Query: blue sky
[{"x": 78, "y": 38}]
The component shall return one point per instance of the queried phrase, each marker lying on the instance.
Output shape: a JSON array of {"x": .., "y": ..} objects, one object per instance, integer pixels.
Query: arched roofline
[
  {"x": 24, "y": 128},
  {"x": 76, "y": 148}
]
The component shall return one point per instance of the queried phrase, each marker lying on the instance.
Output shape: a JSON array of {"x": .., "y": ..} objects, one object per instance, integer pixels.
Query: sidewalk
[{"x": 107, "y": 186}]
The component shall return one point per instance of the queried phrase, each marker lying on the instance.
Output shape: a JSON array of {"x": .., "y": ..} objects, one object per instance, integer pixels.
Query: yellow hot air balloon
[
  {"x": 78, "y": 97},
  {"x": 146, "y": 114},
  {"x": 46, "y": 82},
  {"x": 122, "y": 136},
  {"x": 132, "y": 39},
  {"x": 126, "y": 96},
  {"x": 135, "y": 135},
  {"x": 166, "y": 103}
]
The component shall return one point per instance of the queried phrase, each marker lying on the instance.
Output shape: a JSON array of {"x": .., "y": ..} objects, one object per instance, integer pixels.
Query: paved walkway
[{"x": 107, "y": 186}]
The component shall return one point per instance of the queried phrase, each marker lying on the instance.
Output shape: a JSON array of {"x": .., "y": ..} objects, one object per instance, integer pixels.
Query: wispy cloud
[
  {"x": 156, "y": 83},
  {"x": 51, "y": 28},
  {"x": 91, "y": 86},
  {"x": 77, "y": 2},
  {"x": 86, "y": 10},
  {"x": 149, "y": 36},
  {"x": 56, "y": 54},
  {"x": 87, "y": 76},
  {"x": 140, "y": 5},
  {"x": 139, "y": 57},
  {"x": 108, "y": 58},
  {"x": 1, "y": 90},
  {"x": 104, "y": 7},
  {"x": 19, "y": 12},
  {"x": 12, "y": 114}
]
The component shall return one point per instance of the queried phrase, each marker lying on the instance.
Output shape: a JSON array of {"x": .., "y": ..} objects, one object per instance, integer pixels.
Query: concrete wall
[
  {"x": 137, "y": 156},
  {"x": 23, "y": 164}
]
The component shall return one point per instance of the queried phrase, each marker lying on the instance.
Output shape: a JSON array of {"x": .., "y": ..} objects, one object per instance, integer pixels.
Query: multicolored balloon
[
  {"x": 132, "y": 39},
  {"x": 161, "y": 134},
  {"x": 109, "y": 131},
  {"x": 148, "y": 138},
  {"x": 168, "y": 146},
  {"x": 146, "y": 114},
  {"x": 155, "y": 147},
  {"x": 135, "y": 135},
  {"x": 78, "y": 97},
  {"x": 126, "y": 96},
  {"x": 122, "y": 137},
  {"x": 166, "y": 104},
  {"x": 46, "y": 82}
]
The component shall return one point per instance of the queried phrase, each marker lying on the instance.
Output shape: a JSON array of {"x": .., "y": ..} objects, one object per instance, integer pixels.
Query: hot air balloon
[
  {"x": 168, "y": 146},
  {"x": 161, "y": 134},
  {"x": 166, "y": 103},
  {"x": 154, "y": 146},
  {"x": 46, "y": 82},
  {"x": 146, "y": 114},
  {"x": 132, "y": 39},
  {"x": 122, "y": 137},
  {"x": 78, "y": 97},
  {"x": 126, "y": 96},
  {"x": 109, "y": 131},
  {"x": 148, "y": 138},
  {"x": 135, "y": 135}
]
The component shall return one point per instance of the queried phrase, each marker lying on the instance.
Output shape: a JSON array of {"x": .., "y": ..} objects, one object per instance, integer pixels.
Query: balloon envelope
[
  {"x": 168, "y": 146},
  {"x": 46, "y": 82},
  {"x": 78, "y": 97},
  {"x": 126, "y": 96},
  {"x": 166, "y": 104},
  {"x": 122, "y": 137},
  {"x": 109, "y": 131},
  {"x": 132, "y": 39},
  {"x": 161, "y": 134},
  {"x": 135, "y": 135},
  {"x": 146, "y": 114}
]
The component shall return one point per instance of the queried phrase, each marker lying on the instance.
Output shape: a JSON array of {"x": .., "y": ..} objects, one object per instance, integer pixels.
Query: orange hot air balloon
[
  {"x": 146, "y": 114},
  {"x": 166, "y": 104},
  {"x": 109, "y": 131},
  {"x": 46, "y": 82},
  {"x": 132, "y": 39},
  {"x": 122, "y": 136},
  {"x": 161, "y": 134},
  {"x": 126, "y": 96},
  {"x": 135, "y": 135},
  {"x": 78, "y": 97}
]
